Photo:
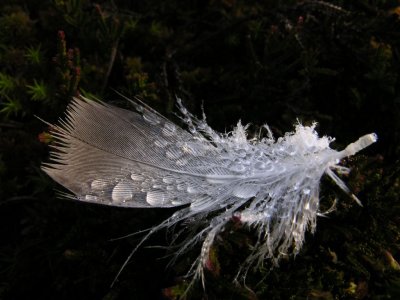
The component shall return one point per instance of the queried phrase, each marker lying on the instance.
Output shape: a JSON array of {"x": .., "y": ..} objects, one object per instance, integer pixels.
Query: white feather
[{"x": 107, "y": 155}]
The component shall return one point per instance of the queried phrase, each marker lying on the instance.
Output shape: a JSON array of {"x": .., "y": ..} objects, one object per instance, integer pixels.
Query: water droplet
[
  {"x": 191, "y": 189},
  {"x": 259, "y": 165},
  {"x": 202, "y": 125},
  {"x": 159, "y": 142},
  {"x": 239, "y": 168},
  {"x": 168, "y": 129},
  {"x": 137, "y": 177},
  {"x": 156, "y": 198},
  {"x": 241, "y": 152},
  {"x": 138, "y": 107},
  {"x": 146, "y": 185},
  {"x": 182, "y": 162},
  {"x": 158, "y": 186},
  {"x": 122, "y": 192},
  {"x": 168, "y": 179},
  {"x": 192, "y": 129},
  {"x": 173, "y": 152},
  {"x": 181, "y": 186},
  {"x": 306, "y": 191},
  {"x": 151, "y": 118},
  {"x": 170, "y": 187},
  {"x": 177, "y": 202},
  {"x": 258, "y": 154},
  {"x": 91, "y": 198},
  {"x": 183, "y": 110},
  {"x": 307, "y": 205},
  {"x": 98, "y": 184}
]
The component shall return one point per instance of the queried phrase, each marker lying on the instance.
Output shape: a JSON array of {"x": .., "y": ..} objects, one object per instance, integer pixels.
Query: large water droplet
[
  {"x": 122, "y": 192},
  {"x": 169, "y": 129}
]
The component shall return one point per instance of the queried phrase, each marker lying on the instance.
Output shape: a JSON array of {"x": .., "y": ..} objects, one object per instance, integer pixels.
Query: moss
[{"x": 334, "y": 62}]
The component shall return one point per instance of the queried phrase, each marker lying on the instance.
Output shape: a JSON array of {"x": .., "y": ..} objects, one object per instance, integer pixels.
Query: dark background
[{"x": 334, "y": 62}]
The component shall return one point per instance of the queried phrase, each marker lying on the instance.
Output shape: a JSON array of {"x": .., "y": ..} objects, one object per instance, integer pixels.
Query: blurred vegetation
[{"x": 336, "y": 62}]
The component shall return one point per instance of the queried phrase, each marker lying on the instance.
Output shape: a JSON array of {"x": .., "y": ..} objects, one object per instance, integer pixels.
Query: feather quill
[{"x": 107, "y": 155}]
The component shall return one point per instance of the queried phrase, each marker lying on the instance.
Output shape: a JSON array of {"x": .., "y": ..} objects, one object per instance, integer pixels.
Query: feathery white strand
[{"x": 108, "y": 155}]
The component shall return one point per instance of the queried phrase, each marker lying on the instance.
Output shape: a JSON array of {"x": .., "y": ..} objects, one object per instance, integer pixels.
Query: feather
[{"x": 111, "y": 156}]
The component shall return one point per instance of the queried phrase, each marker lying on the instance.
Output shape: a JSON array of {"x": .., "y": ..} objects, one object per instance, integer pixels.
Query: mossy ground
[{"x": 335, "y": 62}]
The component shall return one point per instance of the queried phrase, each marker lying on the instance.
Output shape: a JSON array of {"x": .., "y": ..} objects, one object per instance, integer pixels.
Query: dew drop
[
  {"x": 156, "y": 198},
  {"x": 137, "y": 177},
  {"x": 306, "y": 191},
  {"x": 177, "y": 202},
  {"x": 122, "y": 192},
  {"x": 260, "y": 165},
  {"x": 191, "y": 189},
  {"x": 98, "y": 185},
  {"x": 173, "y": 152},
  {"x": 241, "y": 152},
  {"x": 182, "y": 162},
  {"x": 170, "y": 188},
  {"x": 145, "y": 185},
  {"x": 168, "y": 179},
  {"x": 138, "y": 107},
  {"x": 168, "y": 129},
  {"x": 307, "y": 205},
  {"x": 160, "y": 142},
  {"x": 91, "y": 198},
  {"x": 239, "y": 168},
  {"x": 181, "y": 186},
  {"x": 192, "y": 129},
  {"x": 151, "y": 118}
]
